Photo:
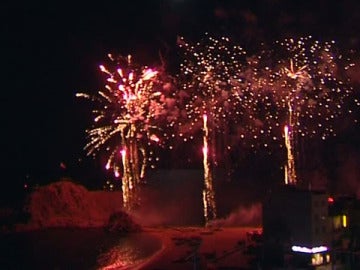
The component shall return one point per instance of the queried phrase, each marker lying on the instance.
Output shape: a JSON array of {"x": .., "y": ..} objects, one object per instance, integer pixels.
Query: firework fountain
[
  {"x": 308, "y": 88},
  {"x": 126, "y": 122},
  {"x": 210, "y": 77},
  {"x": 208, "y": 192},
  {"x": 290, "y": 173}
]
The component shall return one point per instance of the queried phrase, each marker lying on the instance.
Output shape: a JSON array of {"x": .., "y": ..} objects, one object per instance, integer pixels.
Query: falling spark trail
[{"x": 208, "y": 192}]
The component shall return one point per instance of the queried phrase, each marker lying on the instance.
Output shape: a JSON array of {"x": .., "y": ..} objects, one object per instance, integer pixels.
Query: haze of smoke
[{"x": 243, "y": 216}]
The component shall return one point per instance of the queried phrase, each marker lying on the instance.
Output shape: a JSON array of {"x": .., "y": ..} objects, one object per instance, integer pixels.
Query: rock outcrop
[{"x": 67, "y": 204}]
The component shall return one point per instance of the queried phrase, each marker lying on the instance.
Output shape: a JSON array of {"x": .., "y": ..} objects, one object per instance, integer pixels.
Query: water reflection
[
  {"x": 132, "y": 251},
  {"x": 74, "y": 249}
]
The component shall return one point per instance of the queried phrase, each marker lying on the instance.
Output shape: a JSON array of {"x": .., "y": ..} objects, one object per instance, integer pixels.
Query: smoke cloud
[{"x": 243, "y": 216}]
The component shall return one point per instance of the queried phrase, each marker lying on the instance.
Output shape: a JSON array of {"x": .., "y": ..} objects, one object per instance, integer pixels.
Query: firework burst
[
  {"x": 210, "y": 77},
  {"x": 126, "y": 122},
  {"x": 304, "y": 91}
]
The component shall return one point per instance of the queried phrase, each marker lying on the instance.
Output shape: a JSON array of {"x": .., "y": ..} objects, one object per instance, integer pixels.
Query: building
[
  {"x": 344, "y": 213},
  {"x": 297, "y": 229}
]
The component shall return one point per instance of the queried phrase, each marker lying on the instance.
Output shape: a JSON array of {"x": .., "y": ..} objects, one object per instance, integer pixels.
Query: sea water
[{"x": 74, "y": 249}]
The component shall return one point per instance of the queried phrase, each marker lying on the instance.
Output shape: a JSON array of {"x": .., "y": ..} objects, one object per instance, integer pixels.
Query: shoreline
[
  {"x": 176, "y": 248},
  {"x": 207, "y": 247},
  {"x": 157, "y": 255}
]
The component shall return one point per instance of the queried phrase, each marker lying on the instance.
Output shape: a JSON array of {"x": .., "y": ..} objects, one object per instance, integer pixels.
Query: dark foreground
[{"x": 73, "y": 249}]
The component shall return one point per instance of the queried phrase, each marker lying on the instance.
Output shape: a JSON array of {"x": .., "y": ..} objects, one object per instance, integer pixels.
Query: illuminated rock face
[{"x": 66, "y": 204}]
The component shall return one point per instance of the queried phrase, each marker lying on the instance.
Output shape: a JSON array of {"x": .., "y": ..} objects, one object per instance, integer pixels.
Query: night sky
[{"x": 52, "y": 51}]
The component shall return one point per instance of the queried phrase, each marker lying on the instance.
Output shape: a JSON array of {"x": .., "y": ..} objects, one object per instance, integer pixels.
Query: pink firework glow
[
  {"x": 302, "y": 84},
  {"x": 209, "y": 75},
  {"x": 126, "y": 122}
]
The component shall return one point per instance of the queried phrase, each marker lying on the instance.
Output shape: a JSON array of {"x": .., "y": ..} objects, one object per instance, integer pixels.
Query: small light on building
[
  {"x": 344, "y": 221},
  {"x": 337, "y": 222},
  {"x": 330, "y": 199}
]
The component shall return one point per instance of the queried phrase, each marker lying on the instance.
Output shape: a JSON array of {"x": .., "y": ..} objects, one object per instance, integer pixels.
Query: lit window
[{"x": 317, "y": 259}]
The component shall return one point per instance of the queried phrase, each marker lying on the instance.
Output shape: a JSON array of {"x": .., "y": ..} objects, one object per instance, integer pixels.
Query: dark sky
[{"x": 52, "y": 51}]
